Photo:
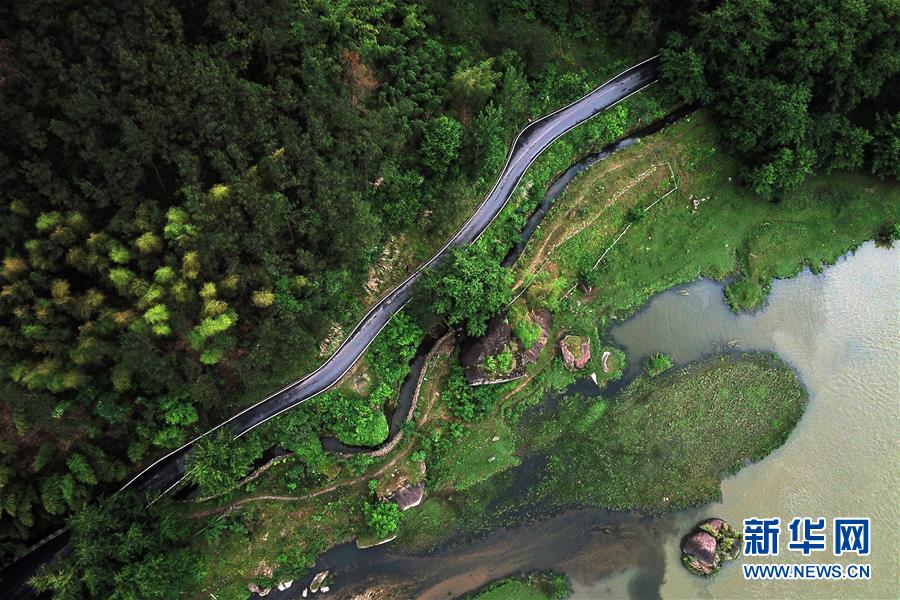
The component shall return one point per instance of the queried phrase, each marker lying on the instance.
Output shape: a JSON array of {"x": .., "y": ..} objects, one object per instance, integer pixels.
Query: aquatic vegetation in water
[
  {"x": 667, "y": 442},
  {"x": 657, "y": 363}
]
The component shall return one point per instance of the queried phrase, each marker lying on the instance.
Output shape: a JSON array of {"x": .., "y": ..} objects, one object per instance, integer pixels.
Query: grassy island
[
  {"x": 669, "y": 441},
  {"x": 661, "y": 443}
]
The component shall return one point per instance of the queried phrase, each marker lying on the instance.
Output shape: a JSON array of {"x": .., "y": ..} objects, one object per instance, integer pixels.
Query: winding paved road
[{"x": 166, "y": 472}]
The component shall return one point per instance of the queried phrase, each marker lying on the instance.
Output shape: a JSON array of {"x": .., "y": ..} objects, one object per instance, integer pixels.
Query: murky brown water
[{"x": 839, "y": 330}]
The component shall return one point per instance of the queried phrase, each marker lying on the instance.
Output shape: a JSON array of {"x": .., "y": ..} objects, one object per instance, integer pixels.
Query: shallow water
[{"x": 839, "y": 330}]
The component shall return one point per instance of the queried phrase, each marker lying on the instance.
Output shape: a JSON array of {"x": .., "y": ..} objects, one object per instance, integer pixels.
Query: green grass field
[
  {"x": 476, "y": 456},
  {"x": 731, "y": 232}
]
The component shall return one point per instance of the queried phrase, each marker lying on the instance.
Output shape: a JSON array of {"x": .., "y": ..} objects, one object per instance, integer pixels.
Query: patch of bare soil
[{"x": 385, "y": 269}]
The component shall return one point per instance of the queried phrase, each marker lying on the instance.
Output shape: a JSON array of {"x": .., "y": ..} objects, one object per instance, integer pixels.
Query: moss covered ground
[
  {"x": 531, "y": 586},
  {"x": 669, "y": 441}
]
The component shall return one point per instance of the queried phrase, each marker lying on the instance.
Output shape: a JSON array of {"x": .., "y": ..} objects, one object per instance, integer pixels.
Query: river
[{"x": 839, "y": 330}]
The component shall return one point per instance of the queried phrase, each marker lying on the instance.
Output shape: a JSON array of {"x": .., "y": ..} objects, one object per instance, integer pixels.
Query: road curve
[{"x": 166, "y": 472}]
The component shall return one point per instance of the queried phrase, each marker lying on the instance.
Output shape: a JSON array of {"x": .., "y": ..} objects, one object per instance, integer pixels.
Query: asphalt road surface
[{"x": 166, "y": 472}]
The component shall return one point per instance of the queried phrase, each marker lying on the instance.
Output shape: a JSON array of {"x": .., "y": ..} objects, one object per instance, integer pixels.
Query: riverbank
[
  {"x": 667, "y": 211},
  {"x": 662, "y": 443},
  {"x": 708, "y": 226},
  {"x": 531, "y": 586},
  {"x": 835, "y": 329}
]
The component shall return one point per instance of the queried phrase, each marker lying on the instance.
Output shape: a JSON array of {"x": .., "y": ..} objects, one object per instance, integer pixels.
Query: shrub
[
  {"x": 500, "y": 364},
  {"x": 528, "y": 332},
  {"x": 464, "y": 401},
  {"x": 352, "y": 420},
  {"x": 383, "y": 518},
  {"x": 657, "y": 363}
]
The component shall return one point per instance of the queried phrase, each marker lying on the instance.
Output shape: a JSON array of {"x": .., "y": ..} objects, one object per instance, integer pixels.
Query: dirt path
[
  {"x": 557, "y": 228},
  {"x": 564, "y": 230}
]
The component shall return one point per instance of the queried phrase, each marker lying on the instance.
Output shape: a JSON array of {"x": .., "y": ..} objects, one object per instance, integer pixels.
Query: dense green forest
[
  {"x": 797, "y": 85},
  {"x": 193, "y": 191}
]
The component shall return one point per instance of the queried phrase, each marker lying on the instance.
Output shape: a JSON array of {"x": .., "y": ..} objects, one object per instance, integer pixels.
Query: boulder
[
  {"x": 576, "y": 351},
  {"x": 499, "y": 338},
  {"x": 701, "y": 546},
  {"x": 711, "y": 543},
  {"x": 409, "y": 496},
  {"x": 317, "y": 581},
  {"x": 475, "y": 352}
]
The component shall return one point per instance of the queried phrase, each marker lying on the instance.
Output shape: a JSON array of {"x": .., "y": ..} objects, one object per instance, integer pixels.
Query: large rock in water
[
  {"x": 710, "y": 544},
  {"x": 700, "y": 546},
  {"x": 318, "y": 581}
]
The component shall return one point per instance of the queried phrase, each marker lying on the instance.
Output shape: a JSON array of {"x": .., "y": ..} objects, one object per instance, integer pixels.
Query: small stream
[
  {"x": 560, "y": 183},
  {"x": 839, "y": 330},
  {"x": 404, "y": 402}
]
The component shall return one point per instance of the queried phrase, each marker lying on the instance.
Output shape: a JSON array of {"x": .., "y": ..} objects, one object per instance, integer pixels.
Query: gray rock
[
  {"x": 317, "y": 581},
  {"x": 409, "y": 496}
]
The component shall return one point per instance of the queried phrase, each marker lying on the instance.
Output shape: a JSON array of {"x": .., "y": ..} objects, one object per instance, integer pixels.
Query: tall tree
[
  {"x": 785, "y": 80},
  {"x": 469, "y": 288}
]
